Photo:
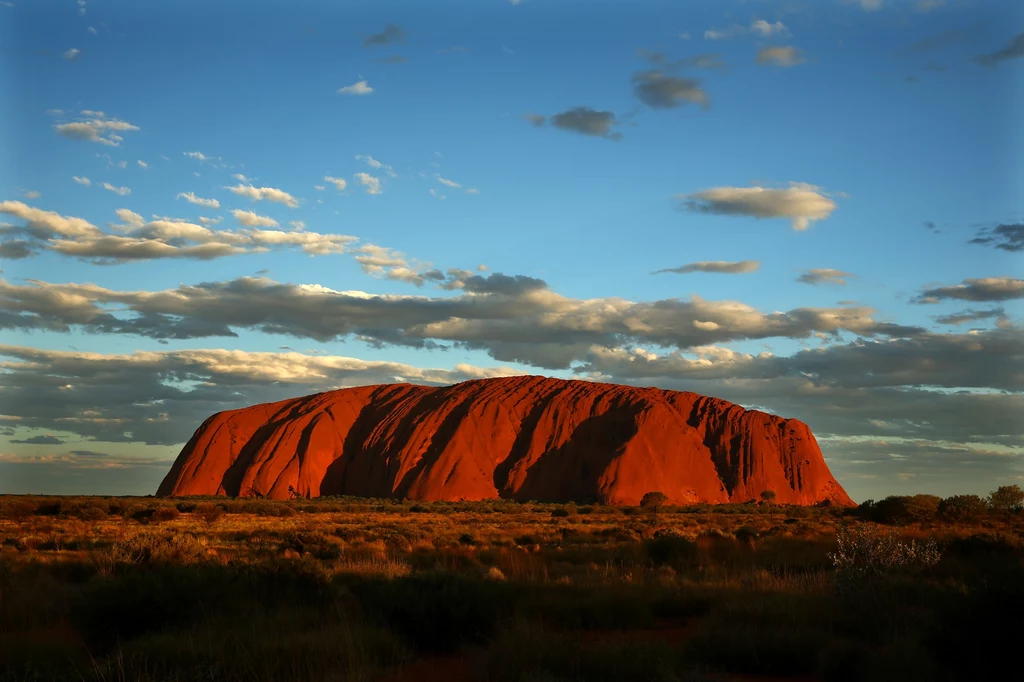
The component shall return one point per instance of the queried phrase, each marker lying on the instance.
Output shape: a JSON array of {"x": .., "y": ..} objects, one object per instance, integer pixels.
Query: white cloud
[
  {"x": 434, "y": 193},
  {"x": 719, "y": 266},
  {"x": 250, "y": 219},
  {"x": 127, "y": 393},
  {"x": 142, "y": 164},
  {"x": 81, "y": 180},
  {"x": 91, "y": 30},
  {"x": 191, "y": 198},
  {"x": 210, "y": 221},
  {"x": 32, "y": 194},
  {"x": 72, "y": 54},
  {"x": 472, "y": 190},
  {"x": 357, "y": 88},
  {"x": 97, "y": 129},
  {"x": 801, "y": 202},
  {"x": 297, "y": 224},
  {"x": 136, "y": 239},
  {"x": 215, "y": 161},
  {"x": 980, "y": 289},
  {"x": 781, "y": 55},
  {"x": 767, "y": 30},
  {"x": 268, "y": 193},
  {"x": 816, "y": 276},
  {"x": 725, "y": 33},
  {"x": 867, "y": 5},
  {"x": 375, "y": 164},
  {"x": 122, "y": 191},
  {"x": 319, "y": 188},
  {"x": 370, "y": 183},
  {"x": 339, "y": 183},
  {"x": 240, "y": 177},
  {"x": 449, "y": 183},
  {"x": 44, "y": 224}
]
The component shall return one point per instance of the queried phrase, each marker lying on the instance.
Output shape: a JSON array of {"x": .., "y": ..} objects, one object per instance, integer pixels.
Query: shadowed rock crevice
[{"x": 519, "y": 437}]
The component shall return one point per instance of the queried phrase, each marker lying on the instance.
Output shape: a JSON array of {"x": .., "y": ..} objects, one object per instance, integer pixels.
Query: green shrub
[
  {"x": 17, "y": 510},
  {"x": 671, "y": 550},
  {"x": 154, "y": 549},
  {"x": 436, "y": 612},
  {"x": 865, "y": 557},
  {"x": 208, "y": 512},
  {"x": 91, "y": 514},
  {"x": 962, "y": 508},
  {"x": 164, "y": 514},
  {"x": 1007, "y": 499}
]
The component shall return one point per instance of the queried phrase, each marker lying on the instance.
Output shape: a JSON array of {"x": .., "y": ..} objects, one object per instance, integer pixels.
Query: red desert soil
[{"x": 522, "y": 438}]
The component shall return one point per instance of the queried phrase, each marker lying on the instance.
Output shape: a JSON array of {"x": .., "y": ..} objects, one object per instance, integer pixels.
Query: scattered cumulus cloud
[
  {"x": 587, "y": 121},
  {"x": 191, "y": 198},
  {"x": 981, "y": 289},
  {"x": 1014, "y": 50},
  {"x": 376, "y": 165},
  {"x": 371, "y": 184},
  {"x": 72, "y": 54},
  {"x": 958, "y": 318},
  {"x": 719, "y": 266},
  {"x": 1006, "y": 237},
  {"x": 265, "y": 193},
  {"x": 32, "y": 194},
  {"x": 339, "y": 183},
  {"x": 47, "y": 439},
  {"x": 725, "y": 33},
  {"x": 357, "y": 88},
  {"x": 390, "y": 35},
  {"x": 81, "y": 180},
  {"x": 121, "y": 191},
  {"x": 802, "y": 203},
  {"x": 250, "y": 219},
  {"x": 660, "y": 91},
  {"x": 97, "y": 128},
  {"x": 867, "y": 5},
  {"x": 781, "y": 55},
  {"x": 816, "y": 276},
  {"x": 135, "y": 238},
  {"x": 765, "y": 29},
  {"x": 142, "y": 164}
]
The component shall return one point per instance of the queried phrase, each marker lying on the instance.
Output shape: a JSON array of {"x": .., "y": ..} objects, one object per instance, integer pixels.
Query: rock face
[{"x": 523, "y": 438}]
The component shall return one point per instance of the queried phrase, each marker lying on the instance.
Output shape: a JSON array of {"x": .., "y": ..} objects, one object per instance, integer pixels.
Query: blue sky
[{"x": 584, "y": 144}]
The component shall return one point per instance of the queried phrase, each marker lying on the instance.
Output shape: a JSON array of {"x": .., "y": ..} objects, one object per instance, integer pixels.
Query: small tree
[
  {"x": 962, "y": 508},
  {"x": 1006, "y": 499},
  {"x": 208, "y": 512},
  {"x": 769, "y": 496},
  {"x": 653, "y": 501}
]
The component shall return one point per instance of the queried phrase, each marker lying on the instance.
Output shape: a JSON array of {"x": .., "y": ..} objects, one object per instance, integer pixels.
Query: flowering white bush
[{"x": 865, "y": 556}]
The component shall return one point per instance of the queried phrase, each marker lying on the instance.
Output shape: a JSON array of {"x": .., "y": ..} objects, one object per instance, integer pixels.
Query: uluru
[{"x": 521, "y": 438}]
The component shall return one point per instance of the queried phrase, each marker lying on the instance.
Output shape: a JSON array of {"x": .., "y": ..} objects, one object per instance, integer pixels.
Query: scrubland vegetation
[{"x": 908, "y": 588}]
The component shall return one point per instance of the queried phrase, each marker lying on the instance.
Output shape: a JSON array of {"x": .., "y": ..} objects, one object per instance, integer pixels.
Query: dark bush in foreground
[{"x": 438, "y": 612}]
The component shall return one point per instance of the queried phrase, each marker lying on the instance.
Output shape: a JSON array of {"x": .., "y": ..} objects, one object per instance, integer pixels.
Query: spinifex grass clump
[{"x": 866, "y": 558}]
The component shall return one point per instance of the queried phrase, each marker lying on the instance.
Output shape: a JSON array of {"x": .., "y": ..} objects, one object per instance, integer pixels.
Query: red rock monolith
[{"x": 521, "y": 438}]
